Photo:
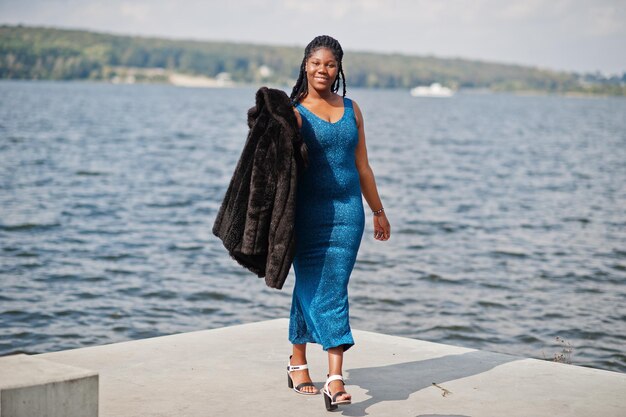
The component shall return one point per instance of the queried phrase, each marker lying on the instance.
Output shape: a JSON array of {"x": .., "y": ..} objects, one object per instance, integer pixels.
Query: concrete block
[{"x": 36, "y": 387}]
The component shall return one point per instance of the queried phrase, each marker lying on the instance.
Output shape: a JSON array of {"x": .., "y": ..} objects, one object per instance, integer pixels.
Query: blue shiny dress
[{"x": 329, "y": 227}]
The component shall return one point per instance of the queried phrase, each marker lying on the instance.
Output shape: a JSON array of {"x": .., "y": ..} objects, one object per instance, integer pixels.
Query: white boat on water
[{"x": 433, "y": 90}]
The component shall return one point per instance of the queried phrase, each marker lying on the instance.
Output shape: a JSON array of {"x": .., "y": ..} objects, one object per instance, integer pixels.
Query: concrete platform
[
  {"x": 31, "y": 386},
  {"x": 240, "y": 370}
]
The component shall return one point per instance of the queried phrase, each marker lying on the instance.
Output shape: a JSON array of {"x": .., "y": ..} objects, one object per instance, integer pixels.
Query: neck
[{"x": 320, "y": 95}]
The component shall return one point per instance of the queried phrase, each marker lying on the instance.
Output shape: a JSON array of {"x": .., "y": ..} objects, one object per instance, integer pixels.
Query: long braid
[
  {"x": 344, "y": 80},
  {"x": 301, "y": 88},
  {"x": 301, "y": 84}
]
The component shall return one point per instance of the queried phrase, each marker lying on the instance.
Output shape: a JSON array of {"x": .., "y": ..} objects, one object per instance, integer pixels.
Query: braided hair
[{"x": 301, "y": 89}]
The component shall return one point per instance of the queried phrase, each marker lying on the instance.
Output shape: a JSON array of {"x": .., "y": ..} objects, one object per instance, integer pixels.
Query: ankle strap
[
  {"x": 297, "y": 367},
  {"x": 332, "y": 378}
]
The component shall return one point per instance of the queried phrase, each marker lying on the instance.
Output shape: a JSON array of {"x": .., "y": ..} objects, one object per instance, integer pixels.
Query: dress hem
[{"x": 346, "y": 343}]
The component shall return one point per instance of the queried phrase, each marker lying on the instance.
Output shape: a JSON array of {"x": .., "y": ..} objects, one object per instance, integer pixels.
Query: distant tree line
[{"x": 63, "y": 54}]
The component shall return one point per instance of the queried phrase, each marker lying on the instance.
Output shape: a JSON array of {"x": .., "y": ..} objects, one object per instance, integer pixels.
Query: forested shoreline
[{"x": 66, "y": 54}]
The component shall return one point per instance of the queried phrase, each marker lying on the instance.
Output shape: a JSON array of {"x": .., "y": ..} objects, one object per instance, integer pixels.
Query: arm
[{"x": 382, "y": 229}]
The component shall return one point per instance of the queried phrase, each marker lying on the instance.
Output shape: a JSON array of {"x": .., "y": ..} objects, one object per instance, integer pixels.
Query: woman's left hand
[{"x": 382, "y": 229}]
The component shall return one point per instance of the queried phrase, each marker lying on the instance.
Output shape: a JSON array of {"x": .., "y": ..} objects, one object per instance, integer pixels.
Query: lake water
[{"x": 508, "y": 218}]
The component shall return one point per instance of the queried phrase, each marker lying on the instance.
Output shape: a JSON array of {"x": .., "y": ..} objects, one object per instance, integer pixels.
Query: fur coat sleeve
[{"x": 256, "y": 218}]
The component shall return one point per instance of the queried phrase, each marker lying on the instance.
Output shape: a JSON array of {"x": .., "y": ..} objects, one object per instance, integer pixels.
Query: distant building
[{"x": 265, "y": 71}]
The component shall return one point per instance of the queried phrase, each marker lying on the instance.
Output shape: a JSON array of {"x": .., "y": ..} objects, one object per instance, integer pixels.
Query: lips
[{"x": 324, "y": 79}]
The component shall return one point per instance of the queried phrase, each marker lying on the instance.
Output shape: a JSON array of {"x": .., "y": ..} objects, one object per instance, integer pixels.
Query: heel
[
  {"x": 289, "y": 381},
  {"x": 327, "y": 402}
]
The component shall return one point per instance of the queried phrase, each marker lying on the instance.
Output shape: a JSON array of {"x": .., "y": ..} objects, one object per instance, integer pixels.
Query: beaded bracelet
[{"x": 377, "y": 212}]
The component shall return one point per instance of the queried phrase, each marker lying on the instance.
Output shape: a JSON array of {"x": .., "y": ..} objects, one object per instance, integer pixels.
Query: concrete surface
[
  {"x": 240, "y": 371},
  {"x": 33, "y": 387}
]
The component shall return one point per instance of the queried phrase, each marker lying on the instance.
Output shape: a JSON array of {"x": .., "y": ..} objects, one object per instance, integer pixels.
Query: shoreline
[{"x": 202, "y": 82}]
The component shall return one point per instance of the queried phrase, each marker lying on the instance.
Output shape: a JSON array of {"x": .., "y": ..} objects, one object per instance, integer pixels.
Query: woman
[{"x": 329, "y": 216}]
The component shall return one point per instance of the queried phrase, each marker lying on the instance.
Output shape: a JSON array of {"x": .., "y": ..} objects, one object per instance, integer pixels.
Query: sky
[{"x": 570, "y": 35}]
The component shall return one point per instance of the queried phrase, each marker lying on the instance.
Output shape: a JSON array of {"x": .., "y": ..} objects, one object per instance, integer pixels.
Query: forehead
[{"x": 323, "y": 53}]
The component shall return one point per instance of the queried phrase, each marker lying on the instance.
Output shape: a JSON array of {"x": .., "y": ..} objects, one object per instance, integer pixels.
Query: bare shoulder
[
  {"x": 298, "y": 118},
  {"x": 357, "y": 113}
]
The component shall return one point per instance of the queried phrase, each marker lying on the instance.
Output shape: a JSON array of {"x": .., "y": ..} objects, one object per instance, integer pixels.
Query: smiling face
[{"x": 322, "y": 69}]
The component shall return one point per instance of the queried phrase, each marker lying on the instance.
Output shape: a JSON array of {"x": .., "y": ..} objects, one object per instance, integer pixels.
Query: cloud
[
  {"x": 138, "y": 12},
  {"x": 337, "y": 9}
]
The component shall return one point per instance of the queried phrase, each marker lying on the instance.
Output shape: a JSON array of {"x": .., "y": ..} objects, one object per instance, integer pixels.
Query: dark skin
[{"x": 321, "y": 70}]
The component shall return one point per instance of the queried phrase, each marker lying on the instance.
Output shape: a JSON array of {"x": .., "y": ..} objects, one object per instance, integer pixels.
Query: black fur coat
[{"x": 256, "y": 219}]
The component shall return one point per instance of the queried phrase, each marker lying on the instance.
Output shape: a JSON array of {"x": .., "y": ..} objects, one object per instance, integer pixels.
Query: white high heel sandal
[
  {"x": 297, "y": 388},
  {"x": 331, "y": 401}
]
